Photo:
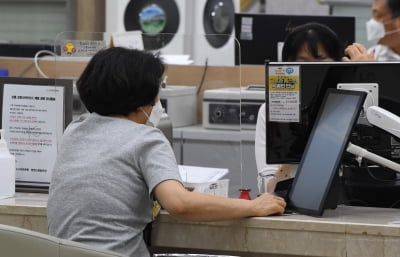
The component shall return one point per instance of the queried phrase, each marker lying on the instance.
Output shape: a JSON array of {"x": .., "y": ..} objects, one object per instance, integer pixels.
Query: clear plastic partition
[
  {"x": 72, "y": 51},
  {"x": 35, "y": 112},
  {"x": 252, "y": 146},
  {"x": 201, "y": 94},
  {"x": 176, "y": 49}
]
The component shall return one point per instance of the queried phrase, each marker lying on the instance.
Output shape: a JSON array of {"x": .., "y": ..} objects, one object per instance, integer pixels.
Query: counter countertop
[
  {"x": 346, "y": 231},
  {"x": 344, "y": 219},
  {"x": 25, "y": 210},
  {"x": 24, "y": 204}
]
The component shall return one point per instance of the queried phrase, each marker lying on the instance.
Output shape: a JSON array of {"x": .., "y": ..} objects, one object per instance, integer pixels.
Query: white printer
[{"x": 232, "y": 108}]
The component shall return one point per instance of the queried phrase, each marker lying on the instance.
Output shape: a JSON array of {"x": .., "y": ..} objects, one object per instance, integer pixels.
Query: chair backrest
[{"x": 17, "y": 242}]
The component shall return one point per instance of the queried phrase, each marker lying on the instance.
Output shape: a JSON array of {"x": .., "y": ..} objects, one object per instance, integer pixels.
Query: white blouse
[
  {"x": 268, "y": 174},
  {"x": 384, "y": 53}
]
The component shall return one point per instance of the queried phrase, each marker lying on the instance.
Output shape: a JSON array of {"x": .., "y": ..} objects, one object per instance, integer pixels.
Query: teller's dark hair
[
  {"x": 119, "y": 81},
  {"x": 394, "y": 7},
  {"x": 312, "y": 35}
]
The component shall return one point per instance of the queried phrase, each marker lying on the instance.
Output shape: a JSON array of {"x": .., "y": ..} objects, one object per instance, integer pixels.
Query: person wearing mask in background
[
  {"x": 310, "y": 42},
  {"x": 383, "y": 30},
  {"x": 113, "y": 163}
]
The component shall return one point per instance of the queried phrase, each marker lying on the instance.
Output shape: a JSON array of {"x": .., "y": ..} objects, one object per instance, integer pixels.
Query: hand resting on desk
[{"x": 195, "y": 206}]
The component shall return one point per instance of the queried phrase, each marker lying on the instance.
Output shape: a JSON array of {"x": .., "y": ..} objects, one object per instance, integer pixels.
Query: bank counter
[{"x": 346, "y": 231}]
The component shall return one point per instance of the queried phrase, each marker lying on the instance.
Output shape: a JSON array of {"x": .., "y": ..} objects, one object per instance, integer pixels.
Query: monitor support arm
[{"x": 387, "y": 121}]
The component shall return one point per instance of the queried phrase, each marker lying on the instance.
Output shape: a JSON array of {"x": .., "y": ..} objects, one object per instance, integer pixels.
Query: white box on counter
[
  {"x": 205, "y": 180},
  {"x": 219, "y": 187},
  {"x": 180, "y": 103}
]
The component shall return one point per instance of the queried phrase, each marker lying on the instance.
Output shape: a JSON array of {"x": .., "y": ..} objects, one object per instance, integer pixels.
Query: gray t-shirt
[{"x": 100, "y": 191}]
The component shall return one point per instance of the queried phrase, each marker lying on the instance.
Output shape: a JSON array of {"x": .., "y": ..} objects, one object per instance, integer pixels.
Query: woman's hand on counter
[
  {"x": 268, "y": 204},
  {"x": 195, "y": 206}
]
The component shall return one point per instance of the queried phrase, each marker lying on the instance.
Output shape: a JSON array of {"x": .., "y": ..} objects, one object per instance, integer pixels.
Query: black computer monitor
[
  {"x": 286, "y": 140},
  {"x": 258, "y": 35},
  {"x": 313, "y": 189}
]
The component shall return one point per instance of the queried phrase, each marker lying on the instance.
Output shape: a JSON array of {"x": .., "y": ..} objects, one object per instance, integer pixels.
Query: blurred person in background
[{"x": 383, "y": 30}]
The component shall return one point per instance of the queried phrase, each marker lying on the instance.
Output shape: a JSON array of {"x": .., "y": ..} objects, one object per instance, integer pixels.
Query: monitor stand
[{"x": 282, "y": 188}]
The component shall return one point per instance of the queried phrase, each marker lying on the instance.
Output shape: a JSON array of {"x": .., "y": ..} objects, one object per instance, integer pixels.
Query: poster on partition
[
  {"x": 33, "y": 125},
  {"x": 284, "y": 93}
]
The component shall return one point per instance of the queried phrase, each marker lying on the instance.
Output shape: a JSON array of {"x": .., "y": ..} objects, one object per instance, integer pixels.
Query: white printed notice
[
  {"x": 33, "y": 124},
  {"x": 284, "y": 93}
]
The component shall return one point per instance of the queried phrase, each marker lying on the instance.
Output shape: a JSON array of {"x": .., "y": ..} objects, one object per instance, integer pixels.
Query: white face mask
[
  {"x": 155, "y": 115},
  {"x": 376, "y": 30}
]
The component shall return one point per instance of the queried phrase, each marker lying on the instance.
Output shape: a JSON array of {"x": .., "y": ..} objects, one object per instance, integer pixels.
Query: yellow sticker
[
  {"x": 284, "y": 93},
  {"x": 156, "y": 209}
]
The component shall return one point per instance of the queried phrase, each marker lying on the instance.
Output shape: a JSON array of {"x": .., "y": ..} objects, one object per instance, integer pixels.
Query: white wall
[
  {"x": 291, "y": 7},
  {"x": 307, "y": 7},
  {"x": 362, "y": 14},
  {"x": 31, "y": 21}
]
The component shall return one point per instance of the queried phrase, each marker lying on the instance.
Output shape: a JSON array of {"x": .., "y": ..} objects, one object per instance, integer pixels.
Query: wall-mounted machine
[
  {"x": 213, "y": 31},
  {"x": 163, "y": 22},
  {"x": 232, "y": 108},
  {"x": 202, "y": 29}
]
